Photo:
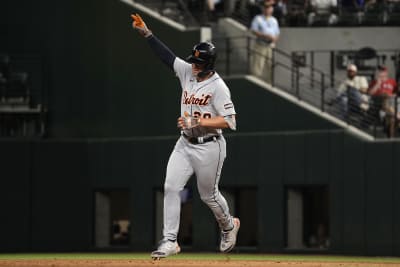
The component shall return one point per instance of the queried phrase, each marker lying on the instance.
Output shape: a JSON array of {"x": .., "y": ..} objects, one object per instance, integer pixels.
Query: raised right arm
[
  {"x": 158, "y": 47},
  {"x": 162, "y": 51}
]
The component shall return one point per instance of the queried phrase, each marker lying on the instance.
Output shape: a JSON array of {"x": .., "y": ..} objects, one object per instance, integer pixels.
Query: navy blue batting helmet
[{"x": 203, "y": 53}]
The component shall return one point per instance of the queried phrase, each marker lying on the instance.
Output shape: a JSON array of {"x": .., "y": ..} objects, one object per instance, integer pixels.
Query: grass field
[
  {"x": 197, "y": 256},
  {"x": 190, "y": 259}
]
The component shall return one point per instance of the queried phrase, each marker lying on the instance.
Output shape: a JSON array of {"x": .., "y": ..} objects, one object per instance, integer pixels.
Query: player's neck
[{"x": 200, "y": 79}]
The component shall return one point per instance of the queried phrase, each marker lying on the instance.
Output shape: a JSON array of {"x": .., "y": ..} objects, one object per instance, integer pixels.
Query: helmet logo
[{"x": 196, "y": 53}]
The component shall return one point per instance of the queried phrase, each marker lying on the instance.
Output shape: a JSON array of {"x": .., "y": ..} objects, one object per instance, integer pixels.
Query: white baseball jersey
[{"x": 206, "y": 99}]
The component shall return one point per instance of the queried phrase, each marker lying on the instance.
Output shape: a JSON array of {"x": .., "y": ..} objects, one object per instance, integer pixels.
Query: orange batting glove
[{"x": 139, "y": 25}]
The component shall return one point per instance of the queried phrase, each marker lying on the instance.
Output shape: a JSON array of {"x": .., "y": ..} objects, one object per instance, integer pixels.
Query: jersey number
[{"x": 206, "y": 115}]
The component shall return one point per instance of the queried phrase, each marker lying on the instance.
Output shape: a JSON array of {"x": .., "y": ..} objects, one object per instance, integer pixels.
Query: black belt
[{"x": 200, "y": 140}]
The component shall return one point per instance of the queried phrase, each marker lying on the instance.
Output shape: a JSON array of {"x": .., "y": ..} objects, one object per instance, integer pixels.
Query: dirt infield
[{"x": 182, "y": 263}]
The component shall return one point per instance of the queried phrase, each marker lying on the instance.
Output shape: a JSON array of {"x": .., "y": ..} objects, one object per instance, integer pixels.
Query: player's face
[{"x": 196, "y": 68}]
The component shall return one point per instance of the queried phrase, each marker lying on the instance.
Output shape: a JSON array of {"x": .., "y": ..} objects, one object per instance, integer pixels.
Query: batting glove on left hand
[
  {"x": 188, "y": 122},
  {"x": 139, "y": 25}
]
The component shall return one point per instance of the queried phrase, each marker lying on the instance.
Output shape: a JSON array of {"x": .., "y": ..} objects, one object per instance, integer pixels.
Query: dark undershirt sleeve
[{"x": 162, "y": 51}]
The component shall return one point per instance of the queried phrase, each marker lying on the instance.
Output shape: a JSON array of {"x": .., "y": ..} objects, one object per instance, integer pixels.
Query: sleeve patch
[{"x": 228, "y": 106}]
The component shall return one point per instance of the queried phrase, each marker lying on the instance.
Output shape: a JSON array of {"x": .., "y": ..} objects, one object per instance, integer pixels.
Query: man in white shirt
[
  {"x": 353, "y": 92},
  {"x": 323, "y": 8},
  {"x": 266, "y": 29}
]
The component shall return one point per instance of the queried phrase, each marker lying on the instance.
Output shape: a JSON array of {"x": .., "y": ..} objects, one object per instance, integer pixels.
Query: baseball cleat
[
  {"x": 165, "y": 249},
  {"x": 228, "y": 238}
]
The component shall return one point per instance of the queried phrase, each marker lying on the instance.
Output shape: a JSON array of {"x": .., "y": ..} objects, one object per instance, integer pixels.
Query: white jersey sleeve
[
  {"x": 182, "y": 69},
  {"x": 222, "y": 100}
]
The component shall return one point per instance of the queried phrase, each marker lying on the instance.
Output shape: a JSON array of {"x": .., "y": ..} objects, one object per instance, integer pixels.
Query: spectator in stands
[
  {"x": 211, "y": 9},
  {"x": 266, "y": 29},
  {"x": 393, "y": 12},
  {"x": 391, "y": 116},
  {"x": 280, "y": 10},
  {"x": 352, "y": 5},
  {"x": 383, "y": 85},
  {"x": 323, "y": 11},
  {"x": 382, "y": 90},
  {"x": 218, "y": 8},
  {"x": 353, "y": 9},
  {"x": 352, "y": 93},
  {"x": 296, "y": 12},
  {"x": 372, "y": 3},
  {"x": 375, "y": 12}
]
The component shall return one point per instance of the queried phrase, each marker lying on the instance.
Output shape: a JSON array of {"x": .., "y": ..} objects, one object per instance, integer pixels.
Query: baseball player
[{"x": 206, "y": 108}]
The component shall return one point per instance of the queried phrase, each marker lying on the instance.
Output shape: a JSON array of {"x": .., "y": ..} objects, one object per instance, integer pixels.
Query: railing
[
  {"x": 366, "y": 59},
  {"x": 374, "y": 115}
]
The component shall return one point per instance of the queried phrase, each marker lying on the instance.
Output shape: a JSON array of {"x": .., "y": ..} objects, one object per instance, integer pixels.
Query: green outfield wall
[{"x": 47, "y": 189}]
